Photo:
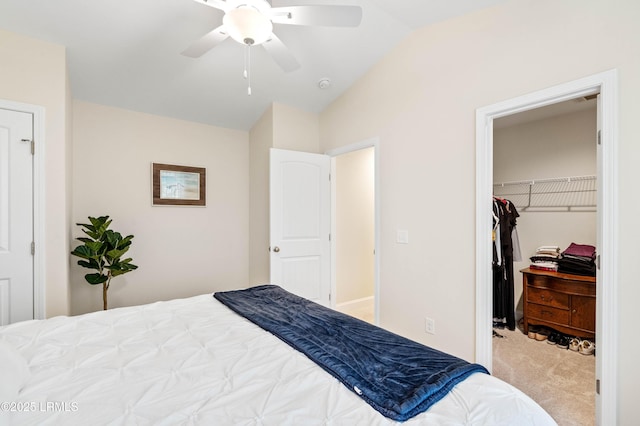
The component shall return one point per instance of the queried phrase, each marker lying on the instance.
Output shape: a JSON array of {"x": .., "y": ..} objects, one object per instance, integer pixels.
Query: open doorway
[
  {"x": 606, "y": 285},
  {"x": 354, "y": 231},
  {"x": 545, "y": 174}
]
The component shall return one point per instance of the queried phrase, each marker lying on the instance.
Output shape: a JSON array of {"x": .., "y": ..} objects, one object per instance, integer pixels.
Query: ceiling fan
[{"x": 250, "y": 22}]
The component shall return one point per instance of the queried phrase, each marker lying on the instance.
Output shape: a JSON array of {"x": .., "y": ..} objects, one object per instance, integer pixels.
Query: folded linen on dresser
[
  {"x": 398, "y": 377},
  {"x": 581, "y": 250}
]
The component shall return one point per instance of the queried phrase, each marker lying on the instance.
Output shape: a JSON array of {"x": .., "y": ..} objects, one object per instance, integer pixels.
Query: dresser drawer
[
  {"x": 547, "y": 313},
  {"x": 563, "y": 302},
  {"x": 540, "y": 280},
  {"x": 548, "y": 297}
]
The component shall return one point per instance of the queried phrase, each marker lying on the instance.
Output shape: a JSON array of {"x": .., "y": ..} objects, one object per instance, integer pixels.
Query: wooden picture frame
[{"x": 178, "y": 185}]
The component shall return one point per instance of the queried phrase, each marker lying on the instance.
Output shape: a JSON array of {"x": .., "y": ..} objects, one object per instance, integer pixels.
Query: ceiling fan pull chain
[
  {"x": 245, "y": 73},
  {"x": 249, "y": 69},
  {"x": 247, "y": 66}
]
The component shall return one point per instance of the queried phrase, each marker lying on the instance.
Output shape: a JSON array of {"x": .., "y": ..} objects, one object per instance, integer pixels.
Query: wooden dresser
[{"x": 563, "y": 302}]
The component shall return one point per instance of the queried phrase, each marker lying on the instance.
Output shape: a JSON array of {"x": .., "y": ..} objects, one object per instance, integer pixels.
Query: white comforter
[{"x": 194, "y": 362}]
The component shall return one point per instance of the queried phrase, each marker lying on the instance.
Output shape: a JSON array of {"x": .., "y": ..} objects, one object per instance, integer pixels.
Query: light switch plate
[{"x": 402, "y": 236}]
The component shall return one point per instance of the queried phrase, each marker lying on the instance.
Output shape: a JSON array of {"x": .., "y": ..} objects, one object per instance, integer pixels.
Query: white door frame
[
  {"x": 368, "y": 143},
  {"x": 606, "y": 84},
  {"x": 37, "y": 112}
]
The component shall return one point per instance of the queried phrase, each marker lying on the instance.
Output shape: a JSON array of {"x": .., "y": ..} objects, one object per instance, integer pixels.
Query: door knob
[{"x": 276, "y": 249}]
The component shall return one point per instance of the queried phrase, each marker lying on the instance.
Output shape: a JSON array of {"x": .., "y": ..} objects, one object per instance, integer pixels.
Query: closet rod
[
  {"x": 547, "y": 180},
  {"x": 567, "y": 193}
]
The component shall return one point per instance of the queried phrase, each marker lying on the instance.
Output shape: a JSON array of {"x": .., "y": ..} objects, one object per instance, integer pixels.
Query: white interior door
[
  {"x": 300, "y": 213},
  {"x": 16, "y": 216}
]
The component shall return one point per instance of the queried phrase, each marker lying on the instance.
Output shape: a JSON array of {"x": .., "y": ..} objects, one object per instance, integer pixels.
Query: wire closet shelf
[{"x": 577, "y": 193}]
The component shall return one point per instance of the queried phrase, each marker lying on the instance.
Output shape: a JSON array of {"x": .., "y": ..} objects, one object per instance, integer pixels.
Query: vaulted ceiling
[{"x": 127, "y": 53}]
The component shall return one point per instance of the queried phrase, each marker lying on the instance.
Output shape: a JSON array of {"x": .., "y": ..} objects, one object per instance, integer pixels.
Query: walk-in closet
[{"x": 545, "y": 202}]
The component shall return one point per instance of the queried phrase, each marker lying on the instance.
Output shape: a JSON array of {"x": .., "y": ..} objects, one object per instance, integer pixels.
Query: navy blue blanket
[{"x": 398, "y": 377}]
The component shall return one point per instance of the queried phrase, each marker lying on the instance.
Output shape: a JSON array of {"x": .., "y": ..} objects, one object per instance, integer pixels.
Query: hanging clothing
[{"x": 505, "y": 246}]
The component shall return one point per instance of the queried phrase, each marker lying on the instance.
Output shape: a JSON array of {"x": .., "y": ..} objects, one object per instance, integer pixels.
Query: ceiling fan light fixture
[{"x": 247, "y": 25}]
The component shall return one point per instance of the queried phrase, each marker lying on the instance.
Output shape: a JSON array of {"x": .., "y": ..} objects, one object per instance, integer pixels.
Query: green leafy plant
[{"x": 102, "y": 250}]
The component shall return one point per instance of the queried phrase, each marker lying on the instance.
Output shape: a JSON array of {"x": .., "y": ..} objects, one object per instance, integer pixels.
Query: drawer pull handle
[{"x": 574, "y": 311}]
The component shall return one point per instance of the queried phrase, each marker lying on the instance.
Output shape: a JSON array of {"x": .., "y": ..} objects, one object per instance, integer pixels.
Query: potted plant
[{"x": 102, "y": 250}]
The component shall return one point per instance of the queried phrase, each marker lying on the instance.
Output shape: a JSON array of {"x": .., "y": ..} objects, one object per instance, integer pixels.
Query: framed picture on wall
[{"x": 178, "y": 185}]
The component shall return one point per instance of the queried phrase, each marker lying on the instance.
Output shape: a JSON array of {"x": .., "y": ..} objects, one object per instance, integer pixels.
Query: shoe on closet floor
[
  {"x": 554, "y": 337},
  {"x": 574, "y": 344},
  {"x": 542, "y": 334},
  {"x": 563, "y": 341},
  {"x": 532, "y": 332},
  {"x": 587, "y": 347}
]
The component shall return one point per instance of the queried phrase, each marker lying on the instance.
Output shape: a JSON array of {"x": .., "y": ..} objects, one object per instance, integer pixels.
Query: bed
[{"x": 195, "y": 361}]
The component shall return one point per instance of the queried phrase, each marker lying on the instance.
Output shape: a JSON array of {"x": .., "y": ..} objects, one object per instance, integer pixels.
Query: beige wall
[
  {"x": 560, "y": 146},
  {"x": 355, "y": 196},
  {"x": 35, "y": 72},
  {"x": 420, "y": 100},
  {"x": 180, "y": 251},
  {"x": 281, "y": 127},
  {"x": 295, "y": 129}
]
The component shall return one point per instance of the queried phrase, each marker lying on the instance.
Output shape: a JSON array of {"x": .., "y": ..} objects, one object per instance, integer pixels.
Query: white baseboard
[{"x": 355, "y": 304}]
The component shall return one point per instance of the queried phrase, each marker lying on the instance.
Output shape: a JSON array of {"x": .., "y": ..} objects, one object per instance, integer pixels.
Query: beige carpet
[{"x": 561, "y": 381}]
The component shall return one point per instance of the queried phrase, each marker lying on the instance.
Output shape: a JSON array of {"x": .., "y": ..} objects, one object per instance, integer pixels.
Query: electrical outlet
[{"x": 430, "y": 326}]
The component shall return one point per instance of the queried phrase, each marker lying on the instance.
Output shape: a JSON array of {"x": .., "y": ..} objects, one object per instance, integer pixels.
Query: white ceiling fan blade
[
  {"x": 206, "y": 43},
  {"x": 218, "y": 4},
  {"x": 321, "y": 15},
  {"x": 279, "y": 52}
]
